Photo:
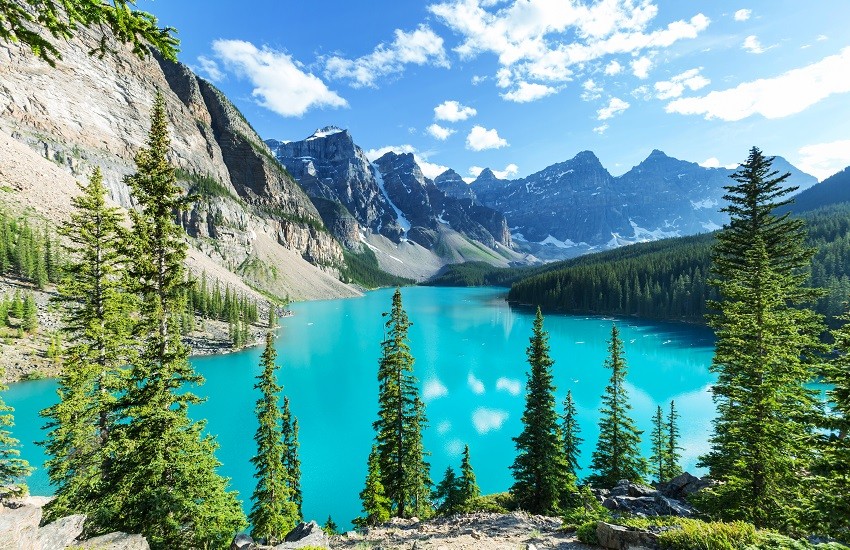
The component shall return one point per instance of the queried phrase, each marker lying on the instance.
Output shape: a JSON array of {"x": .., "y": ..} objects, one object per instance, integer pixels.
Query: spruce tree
[
  {"x": 659, "y": 441},
  {"x": 330, "y": 527},
  {"x": 13, "y": 469},
  {"x": 401, "y": 419},
  {"x": 617, "y": 454},
  {"x": 571, "y": 431},
  {"x": 291, "y": 462},
  {"x": 468, "y": 489},
  {"x": 447, "y": 494},
  {"x": 542, "y": 483},
  {"x": 673, "y": 456},
  {"x": 763, "y": 433},
  {"x": 273, "y": 513},
  {"x": 96, "y": 310},
  {"x": 30, "y": 320},
  {"x": 165, "y": 467},
  {"x": 376, "y": 505}
]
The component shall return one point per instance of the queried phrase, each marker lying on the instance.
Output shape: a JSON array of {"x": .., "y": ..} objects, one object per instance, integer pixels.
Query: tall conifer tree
[
  {"x": 96, "y": 312},
  {"x": 273, "y": 513},
  {"x": 658, "y": 438},
  {"x": 164, "y": 472},
  {"x": 467, "y": 485},
  {"x": 401, "y": 419},
  {"x": 672, "y": 467},
  {"x": 376, "y": 505},
  {"x": 13, "y": 469},
  {"x": 542, "y": 484},
  {"x": 571, "y": 431},
  {"x": 763, "y": 432},
  {"x": 291, "y": 462},
  {"x": 617, "y": 455}
]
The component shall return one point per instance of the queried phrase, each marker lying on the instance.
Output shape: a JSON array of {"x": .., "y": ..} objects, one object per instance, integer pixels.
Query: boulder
[
  {"x": 18, "y": 524},
  {"x": 650, "y": 506},
  {"x": 114, "y": 541},
  {"x": 61, "y": 533},
  {"x": 242, "y": 541},
  {"x": 617, "y": 537},
  {"x": 683, "y": 485},
  {"x": 625, "y": 487},
  {"x": 304, "y": 534}
]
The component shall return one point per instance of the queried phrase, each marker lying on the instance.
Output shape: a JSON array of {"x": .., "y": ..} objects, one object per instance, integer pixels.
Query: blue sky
[{"x": 517, "y": 85}]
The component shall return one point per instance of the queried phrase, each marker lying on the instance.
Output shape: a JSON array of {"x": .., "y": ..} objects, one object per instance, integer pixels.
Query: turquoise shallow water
[{"x": 469, "y": 347}]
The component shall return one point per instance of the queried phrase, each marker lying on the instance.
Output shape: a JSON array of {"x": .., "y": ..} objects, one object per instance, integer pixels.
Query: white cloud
[
  {"x": 453, "y": 111},
  {"x": 477, "y": 79},
  {"x": 455, "y": 447},
  {"x": 480, "y": 138},
  {"x": 743, "y": 14},
  {"x": 434, "y": 389},
  {"x": 822, "y": 37},
  {"x": 509, "y": 171},
  {"x": 488, "y": 420},
  {"x": 420, "y": 47},
  {"x": 824, "y": 159},
  {"x": 526, "y": 92},
  {"x": 592, "y": 90},
  {"x": 476, "y": 385},
  {"x": 642, "y": 92},
  {"x": 601, "y": 129},
  {"x": 641, "y": 66},
  {"x": 444, "y": 427},
  {"x": 615, "y": 106},
  {"x": 777, "y": 97},
  {"x": 439, "y": 132},
  {"x": 280, "y": 84},
  {"x": 712, "y": 162},
  {"x": 210, "y": 69},
  {"x": 752, "y": 45},
  {"x": 613, "y": 68},
  {"x": 510, "y": 385},
  {"x": 675, "y": 87},
  {"x": 429, "y": 169},
  {"x": 545, "y": 40}
]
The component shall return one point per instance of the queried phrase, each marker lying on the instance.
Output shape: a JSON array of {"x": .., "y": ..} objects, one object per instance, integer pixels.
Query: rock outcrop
[{"x": 640, "y": 500}]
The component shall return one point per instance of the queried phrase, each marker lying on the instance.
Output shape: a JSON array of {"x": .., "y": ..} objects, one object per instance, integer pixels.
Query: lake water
[{"x": 469, "y": 347}]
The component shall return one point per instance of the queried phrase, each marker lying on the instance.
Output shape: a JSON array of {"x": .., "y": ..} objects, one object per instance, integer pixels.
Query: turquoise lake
[{"x": 469, "y": 346}]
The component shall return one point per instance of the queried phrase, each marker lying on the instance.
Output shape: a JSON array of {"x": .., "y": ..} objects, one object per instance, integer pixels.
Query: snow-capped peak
[{"x": 324, "y": 132}]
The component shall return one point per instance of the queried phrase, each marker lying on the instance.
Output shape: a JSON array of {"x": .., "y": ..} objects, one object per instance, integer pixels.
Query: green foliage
[
  {"x": 376, "y": 506},
  {"x": 499, "y": 503},
  {"x": 273, "y": 513},
  {"x": 586, "y": 509},
  {"x": 330, "y": 527},
  {"x": 405, "y": 473},
  {"x": 204, "y": 186},
  {"x": 468, "y": 489},
  {"x": 571, "y": 431},
  {"x": 478, "y": 274},
  {"x": 673, "y": 456},
  {"x": 13, "y": 469},
  {"x": 586, "y": 533},
  {"x": 617, "y": 455},
  {"x": 29, "y": 22},
  {"x": 699, "y": 535},
  {"x": 362, "y": 268},
  {"x": 764, "y": 431},
  {"x": 447, "y": 494},
  {"x": 291, "y": 462},
  {"x": 28, "y": 253},
  {"x": 542, "y": 482}
]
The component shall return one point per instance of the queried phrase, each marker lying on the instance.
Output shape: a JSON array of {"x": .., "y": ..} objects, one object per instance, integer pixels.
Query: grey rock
[
  {"x": 18, "y": 524},
  {"x": 115, "y": 541},
  {"x": 60, "y": 533},
  {"x": 683, "y": 485},
  {"x": 304, "y": 534},
  {"x": 242, "y": 541},
  {"x": 617, "y": 537}
]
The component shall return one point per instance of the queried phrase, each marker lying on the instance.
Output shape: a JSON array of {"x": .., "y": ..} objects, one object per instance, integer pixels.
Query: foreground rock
[
  {"x": 641, "y": 500},
  {"x": 618, "y": 537}
]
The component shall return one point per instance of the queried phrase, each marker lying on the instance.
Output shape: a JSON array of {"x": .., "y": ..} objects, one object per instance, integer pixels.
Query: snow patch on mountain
[
  {"x": 323, "y": 132},
  {"x": 704, "y": 203},
  {"x": 550, "y": 240},
  {"x": 402, "y": 221}
]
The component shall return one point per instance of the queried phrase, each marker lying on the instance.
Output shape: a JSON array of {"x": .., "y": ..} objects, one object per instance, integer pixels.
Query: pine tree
[
  {"x": 617, "y": 455},
  {"x": 13, "y": 469},
  {"x": 674, "y": 455},
  {"x": 659, "y": 441},
  {"x": 542, "y": 484},
  {"x": 467, "y": 485},
  {"x": 330, "y": 527},
  {"x": 96, "y": 310},
  {"x": 763, "y": 433},
  {"x": 571, "y": 431},
  {"x": 30, "y": 320},
  {"x": 273, "y": 513},
  {"x": 447, "y": 493},
  {"x": 401, "y": 419},
  {"x": 165, "y": 467},
  {"x": 376, "y": 506},
  {"x": 291, "y": 462}
]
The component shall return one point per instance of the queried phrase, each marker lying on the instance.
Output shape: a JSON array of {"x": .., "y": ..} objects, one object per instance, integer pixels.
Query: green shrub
[
  {"x": 589, "y": 509},
  {"x": 766, "y": 540},
  {"x": 499, "y": 503},
  {"x": 699, "y": 535},
  {"x": 586, "y": 533}
]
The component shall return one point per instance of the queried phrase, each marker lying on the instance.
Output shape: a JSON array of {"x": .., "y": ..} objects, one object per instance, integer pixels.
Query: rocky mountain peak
[{"x": 329, "y": 131}]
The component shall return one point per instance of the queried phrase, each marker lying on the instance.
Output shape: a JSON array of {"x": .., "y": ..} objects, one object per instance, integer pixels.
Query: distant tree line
[{"x": 28, "y": 252}]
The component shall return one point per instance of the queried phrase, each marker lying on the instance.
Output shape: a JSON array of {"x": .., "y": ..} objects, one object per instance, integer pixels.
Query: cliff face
[{"x": 90, "y": 112}]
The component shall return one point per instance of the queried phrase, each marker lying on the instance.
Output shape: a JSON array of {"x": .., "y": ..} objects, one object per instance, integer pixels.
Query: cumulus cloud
[
  {"x": 824, "y": 159},
  {"x": 280, "y": 84},
  {"x": 592, "y": 90},
  {"x": 509, "y": 171},
  {"x": 429, "y": 169},
  {"x": 787, "y": 94},
  {"x": 488, "y": 420},
  {"x": 675, "y": 87},
  {"x": 480, "y": 138},
  {"x": 444, "y": 427},
  {"x": 714, "y": 162},
  {"x": 601, "y": 129},
  {"x": 613, "y": 68},
  {"x": 453, "y": 111},
  {"x": 545, "y": 42},
  {"x": 210, "y": 69},
  {"x": 510, "y": 385},
  {"x": 434, "y": 389},
  {"x": 752, "y": 45},
  {"x": 615, "y": 106},
  {"x": 419, "y": 47},
  {"x": 641, "y": 67},
  {"x": 743, "y": 14},
  {"x": 476, "y": 385},
  {"x": 526, "y": 92},
  {"x": 439, "y": 132}
]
